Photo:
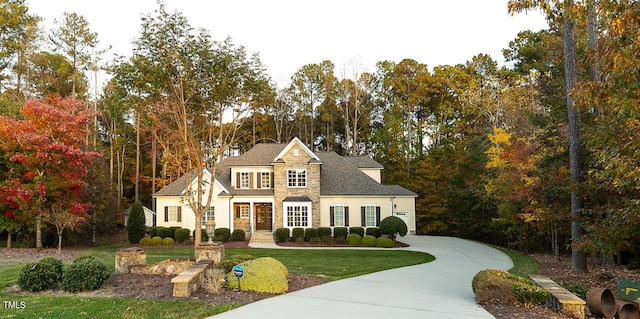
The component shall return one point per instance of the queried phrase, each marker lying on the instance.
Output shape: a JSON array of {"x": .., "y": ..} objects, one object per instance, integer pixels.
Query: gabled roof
[
  {"x": 293, "y": 142},
  {"x": 364, "y": 161},
  {"x": 341, "y": 176}
]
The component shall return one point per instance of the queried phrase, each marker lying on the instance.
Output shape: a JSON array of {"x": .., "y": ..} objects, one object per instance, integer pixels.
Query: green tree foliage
[
  {"x": 392, "y": 226},
  {"x": 136, "y": 227}
]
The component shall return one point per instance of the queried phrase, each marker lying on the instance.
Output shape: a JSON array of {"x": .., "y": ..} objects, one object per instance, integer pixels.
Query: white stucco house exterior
[{"x": 287, "y": 185}]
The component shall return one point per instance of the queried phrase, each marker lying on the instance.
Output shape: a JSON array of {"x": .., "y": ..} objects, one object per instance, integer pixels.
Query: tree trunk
[
  {"x": 9, "y": 240},
  {"x": 38, "y": 232},
  {"x": 59, "y": 239},
  {"x": 137, "y": 190},
  {"x": 578, "y": 257}
]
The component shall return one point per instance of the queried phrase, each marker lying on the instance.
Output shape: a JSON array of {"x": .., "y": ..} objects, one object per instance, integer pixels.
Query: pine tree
[{"x": 136, "y": 223}]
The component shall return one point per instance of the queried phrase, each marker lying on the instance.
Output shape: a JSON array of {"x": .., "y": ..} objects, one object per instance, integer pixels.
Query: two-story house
[{"x": 288, "y": 185}]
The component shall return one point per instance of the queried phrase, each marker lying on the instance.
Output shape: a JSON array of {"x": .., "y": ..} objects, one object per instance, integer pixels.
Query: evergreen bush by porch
[
  {"x": 324, "y": 232},
  {"x": 357, "y": 230},
  {"x": 238, "y": 235},
  {"x": 297, "y": 232},
  {"x": 282, "y": 235},
  {"x": 340, "y": 233},
  {"x": 310, "y": 233},
  {"x": 354, "y": 239},
  {"x": 368, "y": 241},
  {"x": 393, "y": 226},
  {"x": 222, "y": 234},
  {"x": 136, "y": 227},
  {"x": 182, "y": 235}
]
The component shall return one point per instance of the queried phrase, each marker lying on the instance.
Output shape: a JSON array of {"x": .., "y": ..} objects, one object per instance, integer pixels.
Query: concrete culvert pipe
[
  {"x": 601, "y": 302},
  {"x": 627, "y": 309}
]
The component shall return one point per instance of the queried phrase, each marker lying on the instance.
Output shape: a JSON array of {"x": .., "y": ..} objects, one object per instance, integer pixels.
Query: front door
[{"x": 262, "y": 213}]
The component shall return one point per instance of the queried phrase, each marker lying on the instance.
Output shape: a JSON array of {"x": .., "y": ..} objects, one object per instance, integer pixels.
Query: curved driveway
[{"x": 439, "y": 289}]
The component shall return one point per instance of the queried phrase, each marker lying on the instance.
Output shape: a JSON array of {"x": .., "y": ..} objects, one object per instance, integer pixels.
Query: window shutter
[
  {"x": 179, "y": 214},
  {"x": 332, "y": 220},
  {"x": 250, "y": 180},
  {"x": 237, "y": 211},
  {"x": 166, "y": 214},
  {"x": 259, "y": 179},
  {"x": 377, "y": 216},
  {"x": 271, "y": 179},
  {"x": 238, "y": 180},
  {"x": 346, "y": 216},
  {"x": 363, "y": 217}
]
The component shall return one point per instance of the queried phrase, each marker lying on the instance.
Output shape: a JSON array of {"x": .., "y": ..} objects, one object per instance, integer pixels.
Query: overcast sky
[{"x": 290, "y": 34}]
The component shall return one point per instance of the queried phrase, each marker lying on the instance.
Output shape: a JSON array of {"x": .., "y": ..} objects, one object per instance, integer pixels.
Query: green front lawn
[{"x": 333, "y": 264}]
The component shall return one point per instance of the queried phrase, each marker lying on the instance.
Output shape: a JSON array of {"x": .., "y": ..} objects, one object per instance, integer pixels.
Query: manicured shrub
[
  {"x": 340, "y": 232},
  {"x": 146, "y": 241},
  {"x": 297, "y": 233},
  {"x": 282, "y": 235},
  {"x": 324, "y": 232},
  {"x": 84, "y": 274},
  {"x": 315, "y": 240},
  {"x": 40, "y": 275},
  {"x": 203, "y": 235},
  {"x": 173, "y": 231},
  {"x": 530, "y": 294},
  {"x": 222, "y": 234},
  {"x": 310, "y": 233},
  {"x": 373, "y": 231},
  {"x": 262, "y": 275},
  {"x": 181, "y": 235},
  {"x": 153, "y": 231},
  {"x": 357, "y": 230},
  {"x": 354, "y": 239},
  {"x": 136, "y": 227},
  {"x": 368, "y": 241},
  {"x": 227, "y": 264},
  {"x": 163, "y": 232},
  {"x": 384, "y": 242},
  {"x": 499, "y": 286},
  {"x": 393, "y": 226},
  {"x": 155, "y": 241},
  {"x": 168, "y": 241},
  {"x": 238, "y": 235}
]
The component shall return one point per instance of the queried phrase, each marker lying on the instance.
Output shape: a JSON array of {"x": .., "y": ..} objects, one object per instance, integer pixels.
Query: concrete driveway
[{"x": 439, "y": 289}]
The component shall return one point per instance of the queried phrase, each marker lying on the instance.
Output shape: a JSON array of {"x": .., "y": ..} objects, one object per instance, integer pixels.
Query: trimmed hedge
[
  {"x": 155, "y": 241},
  {"x": 373, "y": 231},
  {"x": 181, "y": 235},
  {"x": 368, "y": 241},
  {"x": 153, "y": 231},
  {"x": 340, "y": 233},
  {"x": 310, "y": 233},
  {"x": 40, "y": 275},
  {"x": 384, "y": 242},
  {"x": 324, "y": 232},
  {"x": 297, "y": 232},
  {"x": 357, "y": 230},
  {"x": 354, "y": 239},
  {"x": 168, "y": 241},
  {"x": 282, "y": 235},
  {"x": 500, "y": 286},
  {"x": 145, "y": 241},
  {"x": 85, "y": 273},
  {"x": 238, "y": 235},
  {"x": 222, "y": 234},
  {"x": 173, "y": 231},
  {"x": 162, "y": 232}
]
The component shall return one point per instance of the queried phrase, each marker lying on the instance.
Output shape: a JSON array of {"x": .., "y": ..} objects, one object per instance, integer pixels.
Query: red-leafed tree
[{"x": 47, "y": 164}]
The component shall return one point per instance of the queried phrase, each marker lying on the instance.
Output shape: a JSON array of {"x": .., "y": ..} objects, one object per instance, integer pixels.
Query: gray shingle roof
[{"x": 339, "y": 175}]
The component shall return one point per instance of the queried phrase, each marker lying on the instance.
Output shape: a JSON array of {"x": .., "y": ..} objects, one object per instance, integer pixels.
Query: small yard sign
[{"x": 238, "y": 271}]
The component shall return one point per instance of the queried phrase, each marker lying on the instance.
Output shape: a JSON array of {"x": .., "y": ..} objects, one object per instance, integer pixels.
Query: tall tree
[
  {"x": 15, "y": 22},
  {"x": 75, "y": 40}
]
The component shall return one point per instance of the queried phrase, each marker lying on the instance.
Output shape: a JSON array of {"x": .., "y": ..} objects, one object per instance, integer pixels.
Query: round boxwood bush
[
  {"x": 85, "y": 273},
  {"x": 168, "y": 241},
  {"x": 262, "y": 275},
  {"x": 357, "y": 230},
  {"x": 181, "y": 235},
  {"x": 324, "y": 232},
  {"x": 384, "y": 242},
  {"x": 373, "y": 231},
  {"x": 340, "y": 232},
  {"x": 393, "y": 226},
  {"x": 238, "y": 235},
  {"x": 146, "y": 241},
  {"x": 230, "y": 261},
  {"x": 310, "y": 233},
  {"x": 155, "y": 241},
  {"x": 354, "y": 239},
  {"x": 368, "y": 241},
  {"x": 222, "y": 234},
  {"x": 282, "y": 235},
  {"x": 297, "y": 233},
  {"x": 40, "y": 275}
]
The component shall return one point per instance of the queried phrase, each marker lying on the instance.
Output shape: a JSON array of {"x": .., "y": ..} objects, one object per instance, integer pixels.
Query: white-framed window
[
  {"x": 297, "y": 215},
  {"x": 339, "y": 217},
  {"x": 370, "y": 216},
  {"x": 297, "y": 178},
  {"x": 245, "y": 180},
  {"x": 242, "y": 211},
  {"x": 209, "y": 215},
  {"x": 173, "y": 213},
  {"x": 265, "y": 179}
]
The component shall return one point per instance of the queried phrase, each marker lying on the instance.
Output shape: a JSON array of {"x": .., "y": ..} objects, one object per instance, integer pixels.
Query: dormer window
[
  {"x": 297, "y": 178},
  {"x": 245, "y": 180}
]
